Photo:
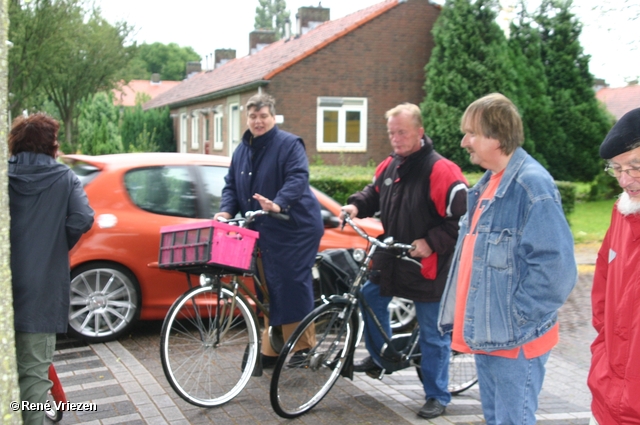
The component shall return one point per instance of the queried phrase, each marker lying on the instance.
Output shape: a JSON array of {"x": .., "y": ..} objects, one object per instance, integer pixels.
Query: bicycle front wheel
[
  {"x": 312, "y": 360},
  {"x": 209, "y": 346}
]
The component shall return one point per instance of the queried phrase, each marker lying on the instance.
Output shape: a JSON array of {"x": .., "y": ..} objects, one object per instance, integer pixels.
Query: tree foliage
[
  {"x": 573, "y": 155},
  {"x": 470, "y": 59},
  {"x": 98, "y": 132},
  {"x": 66, "y": 53},
  {"x": 144, "y": 131},
  {"x": 168, "y": 60},
  {"x": 272, "y": 15},
  {"x": 541, "y": 68},
  {"x": 534, "y": 103}
]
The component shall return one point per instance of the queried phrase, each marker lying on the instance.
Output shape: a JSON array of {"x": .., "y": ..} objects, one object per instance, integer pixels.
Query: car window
[
  {"x": 85, "y": 172},
  {"x": 162, "y": 190},
  {"x": 213, "y": 184}
]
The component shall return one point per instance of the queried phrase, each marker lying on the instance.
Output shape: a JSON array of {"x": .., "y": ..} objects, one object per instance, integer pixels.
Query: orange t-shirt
[{"x": 532, "y": 349}]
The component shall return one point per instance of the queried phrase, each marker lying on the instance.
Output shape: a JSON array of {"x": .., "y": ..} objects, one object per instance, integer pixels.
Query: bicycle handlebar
[
  {"x": 388, "y": 242},
  {"x": 250, "y": 216}
]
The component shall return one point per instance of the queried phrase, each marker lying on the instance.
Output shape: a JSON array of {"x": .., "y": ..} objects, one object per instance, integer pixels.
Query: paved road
[{"x": 126, "y": 382}]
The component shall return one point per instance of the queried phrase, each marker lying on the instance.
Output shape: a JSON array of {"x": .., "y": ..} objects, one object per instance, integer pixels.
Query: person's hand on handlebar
[
  {"x": 222, "y": 216},
  {"x": 421, "y": 250},
  {"x": 267, "y": 204},
  {"x": 350, "y": 210}
]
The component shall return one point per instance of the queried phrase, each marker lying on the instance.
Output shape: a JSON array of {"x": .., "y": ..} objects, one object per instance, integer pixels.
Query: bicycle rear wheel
[
  {"x": 303, "y": 376},
  {"x": 462, "y": 372},
  {"x": 209, "y": 347}
]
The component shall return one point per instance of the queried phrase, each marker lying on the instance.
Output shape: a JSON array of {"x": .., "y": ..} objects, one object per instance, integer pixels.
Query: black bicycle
[{"x": 304, "y": 375}]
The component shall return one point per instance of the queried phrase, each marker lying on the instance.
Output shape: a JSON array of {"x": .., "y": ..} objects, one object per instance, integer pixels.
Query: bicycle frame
[{"x": 394, "y": 357}]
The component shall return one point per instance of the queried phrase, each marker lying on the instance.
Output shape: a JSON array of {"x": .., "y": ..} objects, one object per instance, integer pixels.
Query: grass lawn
[{"x": 590, "y": 221}]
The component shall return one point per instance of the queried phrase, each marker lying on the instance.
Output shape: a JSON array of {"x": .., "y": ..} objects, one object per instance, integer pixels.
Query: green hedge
[{"x": 340, "y": 182}]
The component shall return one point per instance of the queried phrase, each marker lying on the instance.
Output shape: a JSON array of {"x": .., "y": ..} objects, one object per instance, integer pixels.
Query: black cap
[{"x": 624, "y": 134}]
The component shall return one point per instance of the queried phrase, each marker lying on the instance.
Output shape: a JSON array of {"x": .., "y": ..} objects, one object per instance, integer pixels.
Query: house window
[
  {"x": 195, "y": 134},
  {"x": 217, "y": 131},
  {"x": 342, "y": 124},
  {"x": 234, "y": 127},
  {"x": 183, "y": 133},
  {"x": 207, "y": 128}
]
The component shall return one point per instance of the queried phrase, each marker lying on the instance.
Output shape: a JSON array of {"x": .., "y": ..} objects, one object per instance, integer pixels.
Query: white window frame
[
  {"x": 234, "y": 127},
  {"x": 218, "y": 142},
  {"x": 195, "y": 130},
  {"x": 183, "y": 132},
  {"x": 342, "y": 105}
]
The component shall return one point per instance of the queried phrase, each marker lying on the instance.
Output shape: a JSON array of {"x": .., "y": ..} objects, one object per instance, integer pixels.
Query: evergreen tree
[
  {"x": 150, "y": 130},
  {"x": 534, "y": 104},
  {"x": 98, "y": 132},
  {"x": 470, "y": 59},
  {"x": 281, "y": 16},
  {"x": 573, "y": 154},
  {"x": 272, "y": 15},
  {"x": 264, "y": 16}
]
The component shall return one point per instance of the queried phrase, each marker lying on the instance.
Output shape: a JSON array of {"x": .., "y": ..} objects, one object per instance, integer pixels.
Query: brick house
[{"x": 332, "y": 82}]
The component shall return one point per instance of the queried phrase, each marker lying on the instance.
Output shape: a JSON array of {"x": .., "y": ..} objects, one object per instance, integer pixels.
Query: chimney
[
  {"x": 259, "y": 39},
  {"x": 193, "y": 68},
  {"x": 222, "y": 56},
  {"x": 310, "y": 17},
  {"x": 155, "y": 78}
]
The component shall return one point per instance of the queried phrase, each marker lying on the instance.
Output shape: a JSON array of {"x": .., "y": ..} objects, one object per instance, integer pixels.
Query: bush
[
  {"x": 568, "y": 195},
  {"x": 604, "y": 187}
]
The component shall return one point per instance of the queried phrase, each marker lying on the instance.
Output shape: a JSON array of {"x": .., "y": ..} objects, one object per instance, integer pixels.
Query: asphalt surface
[{"x": 125, "y": 381}]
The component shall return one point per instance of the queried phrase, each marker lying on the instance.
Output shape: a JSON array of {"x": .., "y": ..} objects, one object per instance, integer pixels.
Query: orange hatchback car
[{"x": 115, "y": 279}]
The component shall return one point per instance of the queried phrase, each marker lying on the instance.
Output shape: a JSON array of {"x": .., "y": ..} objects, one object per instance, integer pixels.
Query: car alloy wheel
[
  {"x": 105, "y": 301},
  {"x": 402, "y": 313}
]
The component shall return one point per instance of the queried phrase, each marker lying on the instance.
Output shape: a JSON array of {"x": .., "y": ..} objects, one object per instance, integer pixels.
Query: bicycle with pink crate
[{"x": 210, "y": 339}]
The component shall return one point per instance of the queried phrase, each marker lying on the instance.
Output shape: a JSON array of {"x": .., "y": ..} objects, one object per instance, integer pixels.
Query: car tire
[
  {"x": 104, "y": 301},
  {"x": 402, "y": 313}
]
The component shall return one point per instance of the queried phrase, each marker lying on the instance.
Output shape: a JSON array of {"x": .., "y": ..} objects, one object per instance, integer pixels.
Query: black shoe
[
  {"x": 368, "y": 366},
  {"x": 268, "y": 362},
  {"x": 431, "y": 409},
  {"x": 299, "y": 359}
]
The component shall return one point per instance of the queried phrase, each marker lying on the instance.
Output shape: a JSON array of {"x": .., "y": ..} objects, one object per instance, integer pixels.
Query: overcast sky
[{"x": 207, "y": 25}]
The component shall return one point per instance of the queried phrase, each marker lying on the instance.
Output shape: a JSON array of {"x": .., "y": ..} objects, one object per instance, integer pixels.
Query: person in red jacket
[
  {"x": 614, "y": 377},
  {"x": 421, "y": 196}
]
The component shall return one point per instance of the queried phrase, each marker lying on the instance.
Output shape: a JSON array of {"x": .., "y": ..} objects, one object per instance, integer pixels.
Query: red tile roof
[
  {"x": 269, "y": 61},
  {"x": 620, "y": 100},
  {"x": 126, "y": 95}
]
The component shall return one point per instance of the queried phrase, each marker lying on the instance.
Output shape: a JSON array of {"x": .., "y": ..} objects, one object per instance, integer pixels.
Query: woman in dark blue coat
[{"x": 270, "y": 171}]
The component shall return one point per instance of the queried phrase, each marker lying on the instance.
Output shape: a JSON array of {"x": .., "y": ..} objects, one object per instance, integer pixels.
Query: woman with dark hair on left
[{"x": 49, "y": 213}]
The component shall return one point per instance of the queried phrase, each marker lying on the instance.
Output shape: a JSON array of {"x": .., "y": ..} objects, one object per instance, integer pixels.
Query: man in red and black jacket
[{"x": 420, "y": 196}]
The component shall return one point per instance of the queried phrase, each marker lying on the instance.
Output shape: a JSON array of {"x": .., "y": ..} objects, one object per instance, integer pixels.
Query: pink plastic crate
[{"x": 208, "y": 242}]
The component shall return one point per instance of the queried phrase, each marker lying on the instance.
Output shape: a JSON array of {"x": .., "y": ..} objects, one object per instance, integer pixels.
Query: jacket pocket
[{"x": 497, "y": 318}]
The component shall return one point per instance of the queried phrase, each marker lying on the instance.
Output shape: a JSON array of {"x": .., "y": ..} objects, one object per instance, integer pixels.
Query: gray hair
[{"x": 259, "y": 101}]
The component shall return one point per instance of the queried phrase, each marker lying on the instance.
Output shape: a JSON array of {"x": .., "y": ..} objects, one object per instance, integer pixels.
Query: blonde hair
[{"x": 410, "y": 109}]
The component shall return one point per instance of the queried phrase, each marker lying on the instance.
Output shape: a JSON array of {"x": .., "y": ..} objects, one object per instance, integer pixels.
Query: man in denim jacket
[{"x": 513, "y": 268}]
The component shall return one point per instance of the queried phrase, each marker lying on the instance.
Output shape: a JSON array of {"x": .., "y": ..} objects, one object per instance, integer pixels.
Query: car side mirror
[{"x": 329, "y": 220}]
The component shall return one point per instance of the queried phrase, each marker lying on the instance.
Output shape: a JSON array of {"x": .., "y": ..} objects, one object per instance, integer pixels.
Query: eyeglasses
[{"x": 617, "y": 171}]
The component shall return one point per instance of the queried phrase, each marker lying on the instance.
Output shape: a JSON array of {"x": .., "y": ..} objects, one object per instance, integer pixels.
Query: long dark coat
[
  {"x": 275, "y": 166},
  {"x": 49, "y": 212}
]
